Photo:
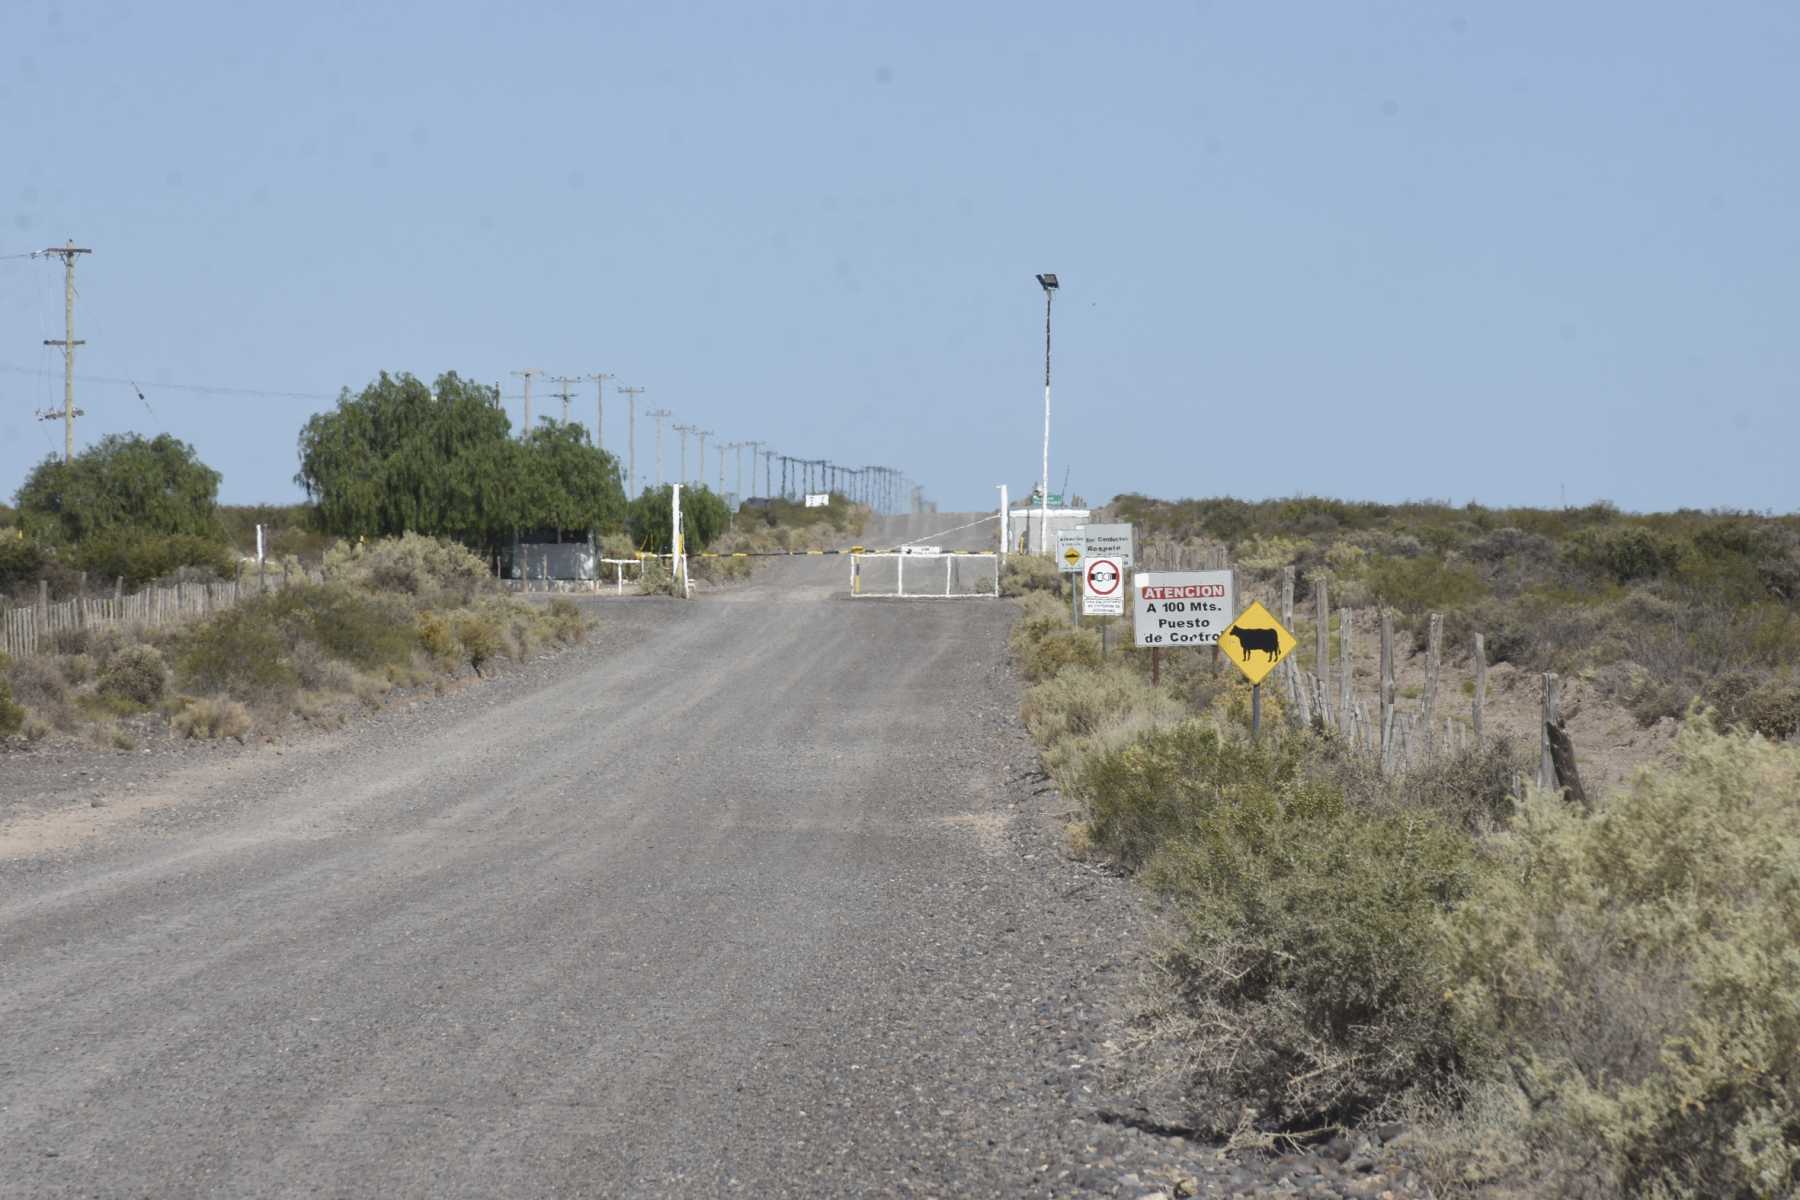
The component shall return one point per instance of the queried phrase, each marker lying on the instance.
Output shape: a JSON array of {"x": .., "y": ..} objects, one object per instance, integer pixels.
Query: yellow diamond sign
[
  {"x": 1071, "y": 556},
  {"x": 1256, "y": 642}
]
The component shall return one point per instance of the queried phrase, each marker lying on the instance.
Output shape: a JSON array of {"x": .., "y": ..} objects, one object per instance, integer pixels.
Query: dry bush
[
  {"x": 12, "y": 715},
  {"x": 480, "y": 638},
  {"x": 1043, "y": 642},
  {"x": 1030, "y": 573},
  {"x": 434, "y": 571},
  {"x": 211, "y": 718},
  {"x": 135, "y": 674},
  {"x": 1304, "y": 983},
  {"x": 565, "y": 621},
  {"x": 38, "y": 683},
  {"x": 1634, "y": 973},
  {"x": 438, "y": 639}
]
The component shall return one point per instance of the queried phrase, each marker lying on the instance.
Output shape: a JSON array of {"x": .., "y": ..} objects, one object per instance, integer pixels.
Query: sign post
[
  {"x": 1103, "y": 587},
  {"x": 1071, "y": 548},
  {"x": 1262, "y": 642}
]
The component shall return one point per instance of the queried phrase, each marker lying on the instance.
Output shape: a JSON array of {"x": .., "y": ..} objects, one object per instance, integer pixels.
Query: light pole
[{"x": 1048, "y": 283}]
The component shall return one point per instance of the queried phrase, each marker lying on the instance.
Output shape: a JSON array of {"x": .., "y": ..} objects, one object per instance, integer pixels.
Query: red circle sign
[{"x": 1104, "y": 577}]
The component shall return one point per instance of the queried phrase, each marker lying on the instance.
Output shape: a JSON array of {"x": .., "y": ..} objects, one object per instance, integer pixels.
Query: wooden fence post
[
  {"x": 1289, "y": 673},
  {"x": 1480, "y": 685},
  {"x": 1345, "y": 666},
  {"x": 1322, "y": 640},
  {"x": 1552, "y": 703},
  {"x": 1434, "y": 649},
  {"x": 1387, "y": 689}
]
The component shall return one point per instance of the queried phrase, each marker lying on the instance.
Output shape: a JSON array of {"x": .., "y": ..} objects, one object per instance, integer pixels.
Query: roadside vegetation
[
  {"x": 1556, "y": 1002},
  {"x": 1655, "y": 610},
  {"x": 409, "y": 612}
]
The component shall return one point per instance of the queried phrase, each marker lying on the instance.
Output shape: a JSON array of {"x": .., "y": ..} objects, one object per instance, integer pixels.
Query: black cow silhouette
[{"x": 1266, "y": 640}]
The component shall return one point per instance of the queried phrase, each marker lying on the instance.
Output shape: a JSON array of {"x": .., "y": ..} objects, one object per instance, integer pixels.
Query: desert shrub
[
  {"x": 1424, "y": 584},
  {"x": 38, "y": 682},
  {"x": 12, "y": 714},
  {"x": 1623, "y": 552},
  {"x": 433, "y": 570},
  {"x": 436, "y": 637},
  {"x": 70, "y": 641},
  {"x": 1307, "y": 985},
  {"x": 1636, "y": 972},
  {"x": 135, "y": 674},
  {"x": 1082, "y": 711},
  {"x": 565, "y": 621},
  {"x": 1474, "y": 788},
  {"x": 655, "y": 579},
  {"x": 480, "y": 638},
  {"x": 1057, "y": 650},
  {"x": 1755, "y": 703},
  {"x": 240, "y": 652},
  {"x": 211, "y": 718},
  {"x": 1269, "y": 552},
  {"x": 369, "y": 632},
  {"x": 1030, "y": 573}
]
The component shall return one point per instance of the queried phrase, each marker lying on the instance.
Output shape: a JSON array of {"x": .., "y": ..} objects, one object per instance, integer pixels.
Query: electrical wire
[{"x": 198, "y": 388}]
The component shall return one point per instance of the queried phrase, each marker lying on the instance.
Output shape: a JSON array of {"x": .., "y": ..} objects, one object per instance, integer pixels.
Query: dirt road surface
[{"x": 760, "y": 903}]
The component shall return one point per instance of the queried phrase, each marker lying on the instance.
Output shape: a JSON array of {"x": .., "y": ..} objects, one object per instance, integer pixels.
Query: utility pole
[
  {"x": 722, "y": 447},
  {"x": 68, "y": 343},
  {"x": 599, "y": 409},
  {"x": 526, "y": 375},
  {"x": 684, "y": 430},
  {"x": 565, "y": 380},
  {"x": 631, "y": 394},
  {"x": 704, "y": 434},
  {"x": 659, "y": 414},
  {"x": 755, "y": 449},
  {"x": 1049, "y": 284}
]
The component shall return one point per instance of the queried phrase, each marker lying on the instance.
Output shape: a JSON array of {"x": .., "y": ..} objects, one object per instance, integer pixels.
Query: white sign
[
  {"x": 818, "y": 499},
  {"x": 1102, "y": 587},
  {"x": 1181, "y": 608},
  {"x": 921, "y": 549},
  {"x": 1071, "y": 548},
  {"x": 1109, "y": 541}
]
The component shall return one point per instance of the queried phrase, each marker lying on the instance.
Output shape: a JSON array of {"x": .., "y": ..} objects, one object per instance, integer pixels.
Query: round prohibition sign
[{"x": 1103, "y": 577}]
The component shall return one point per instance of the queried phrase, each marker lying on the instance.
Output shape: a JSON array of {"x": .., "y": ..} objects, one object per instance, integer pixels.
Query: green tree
[
  {"x": 123, "y": 481},
  {"x": 569, "y": 484},
  {"x": 703, "y": 517},
  {"x": 402, "y": 457}
]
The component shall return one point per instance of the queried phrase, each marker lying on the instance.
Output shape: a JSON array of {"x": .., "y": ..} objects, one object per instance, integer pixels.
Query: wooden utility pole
[
  {"x": 658, "y": 414},
  {"x": 631, "y": 394},
  {"x": 599, "y": 408},
  {"x": 68, "y": 343},
  {"x": 565, "y": 380},
  {"x": 526, "y": 375}
]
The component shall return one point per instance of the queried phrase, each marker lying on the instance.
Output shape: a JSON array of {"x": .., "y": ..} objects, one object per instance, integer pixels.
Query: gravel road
[{"x": 748, "y": 905}]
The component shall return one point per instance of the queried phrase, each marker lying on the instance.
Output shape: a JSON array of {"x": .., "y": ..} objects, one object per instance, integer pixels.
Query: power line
[{"x": 202, "y": 389}]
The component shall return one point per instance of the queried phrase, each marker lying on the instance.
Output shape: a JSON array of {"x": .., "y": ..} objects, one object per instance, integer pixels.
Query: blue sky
[{"x": 1505, "y": 253}]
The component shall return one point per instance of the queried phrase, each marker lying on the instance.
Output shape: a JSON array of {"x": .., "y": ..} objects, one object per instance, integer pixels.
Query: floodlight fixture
[{"x": 1047, "y": 282}]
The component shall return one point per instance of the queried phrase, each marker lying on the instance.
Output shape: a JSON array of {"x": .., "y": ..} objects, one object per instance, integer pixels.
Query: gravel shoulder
[{"x": 760, "y": 895}]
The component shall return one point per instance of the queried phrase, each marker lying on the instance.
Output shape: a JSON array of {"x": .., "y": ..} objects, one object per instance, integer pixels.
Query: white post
[
  {"x": 1005, "y": 530},
  {"x": 900, "y": 574},
  {"x": 259, "y": 545},
  {"x": 949, "y": 570},
  {"x": 677, "y": 552}
]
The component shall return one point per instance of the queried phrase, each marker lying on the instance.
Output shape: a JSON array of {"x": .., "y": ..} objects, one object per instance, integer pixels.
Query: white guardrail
[{"x": 921, "y": 556}]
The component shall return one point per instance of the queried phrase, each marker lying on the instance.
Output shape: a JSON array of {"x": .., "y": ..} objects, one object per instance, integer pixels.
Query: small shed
[{"x": 552, "y": 554}]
